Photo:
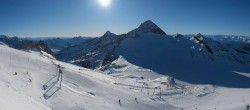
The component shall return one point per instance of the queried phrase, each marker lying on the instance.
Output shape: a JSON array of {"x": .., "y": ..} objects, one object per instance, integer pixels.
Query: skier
[
  {"x": 120, "y": 102},
  {"x": 136, "y": 100},
  {"x": 248, "y": 107},
  {"x": 58, "y": 67},
  {"x": 60, "y": 75}
]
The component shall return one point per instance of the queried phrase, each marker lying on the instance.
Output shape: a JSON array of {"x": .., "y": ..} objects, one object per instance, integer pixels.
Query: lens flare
[{"x": 104, "y": 3}]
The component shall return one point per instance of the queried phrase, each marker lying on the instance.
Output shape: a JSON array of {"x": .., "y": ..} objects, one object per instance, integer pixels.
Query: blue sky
[{"x": 50, "y": 18}]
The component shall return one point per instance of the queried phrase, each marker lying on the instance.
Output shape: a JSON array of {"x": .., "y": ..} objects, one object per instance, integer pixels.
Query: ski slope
[{"x": 84, "y": 89}]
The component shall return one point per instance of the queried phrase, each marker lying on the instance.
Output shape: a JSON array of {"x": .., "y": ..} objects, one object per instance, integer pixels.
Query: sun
[{"x": 104, "y": 3}]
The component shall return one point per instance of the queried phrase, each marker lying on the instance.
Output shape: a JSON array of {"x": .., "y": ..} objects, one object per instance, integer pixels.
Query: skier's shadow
[
  {"x": 47, "y": 95},
  {"x": 50, "y": 88}
]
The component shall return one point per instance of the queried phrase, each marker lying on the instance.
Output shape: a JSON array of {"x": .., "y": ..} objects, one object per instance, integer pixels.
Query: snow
[
  {"x": 148, "y": 47},
  {"x": 243, "y": 74},
  {"x": 226, "y": 99},
  {"x": 184, "y": 59},
  {"x": 81, "y": 88},
  {"x": 85, "y": 89},
  {"x": 145, "y": 69}
]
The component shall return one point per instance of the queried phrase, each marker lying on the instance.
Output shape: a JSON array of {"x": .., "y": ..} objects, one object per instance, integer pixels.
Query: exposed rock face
[
  {"x": 39, "y": 46},
  {"x": 201, "y": 41}
]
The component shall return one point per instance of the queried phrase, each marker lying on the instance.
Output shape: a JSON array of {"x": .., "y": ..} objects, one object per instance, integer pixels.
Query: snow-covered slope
[
  {"x": 24, "y": 74},
  {"x": 100, "y": 51},
  {"x": 91, "y": 53},
  {"x": 185, "y": 60},
  {"x": 209, "y": 61}
]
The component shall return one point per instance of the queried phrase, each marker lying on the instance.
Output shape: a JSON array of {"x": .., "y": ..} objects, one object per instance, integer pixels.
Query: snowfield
[{"x": 24, "y": 73}]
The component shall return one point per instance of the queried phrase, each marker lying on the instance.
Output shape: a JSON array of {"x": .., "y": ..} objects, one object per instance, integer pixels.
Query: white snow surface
[{"x": 23, "y": 74}]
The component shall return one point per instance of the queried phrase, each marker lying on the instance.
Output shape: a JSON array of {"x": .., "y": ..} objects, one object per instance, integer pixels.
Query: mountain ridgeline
[
  {"x": 198, "y": 59},
  {"x": 97, "y": 52},
  {"x": 25, "y": 44},
  {"x": 58, "y": 44},
  {"x": 181, "y": 57}
]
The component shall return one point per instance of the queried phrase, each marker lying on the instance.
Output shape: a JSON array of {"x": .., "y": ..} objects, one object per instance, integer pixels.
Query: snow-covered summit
[
  {"x": 198, "y": 37},
  {"x": 107, "y": 37},
  {"x": 147, "y": 27},
  {"x": 178, "y": 35},
  {"x": 108, "y": 33}
]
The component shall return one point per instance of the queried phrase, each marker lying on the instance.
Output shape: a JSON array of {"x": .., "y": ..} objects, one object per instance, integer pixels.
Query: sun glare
[{"x": 104, "y": 3}]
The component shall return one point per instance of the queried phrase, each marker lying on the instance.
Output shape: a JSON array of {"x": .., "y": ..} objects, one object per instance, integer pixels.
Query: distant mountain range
[
  {"x": 57, "y": 44},
  {"x": 207, "y": 59},
  {"x": 211, "y": 59},
  {"x": 53, "y": 45},
  {"x": 25, "y": 44}
]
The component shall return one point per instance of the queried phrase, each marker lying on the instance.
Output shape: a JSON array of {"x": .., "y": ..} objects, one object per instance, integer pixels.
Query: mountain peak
[
  {"x": 150, "y": 26},
  {"x": 178, "y": 35},
  {"x": 148, "y": 23},
  {"x": 108, "y": 33},
  {"x": 199, "y": 34},
  {"x": 198, "y": 37}
]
